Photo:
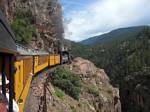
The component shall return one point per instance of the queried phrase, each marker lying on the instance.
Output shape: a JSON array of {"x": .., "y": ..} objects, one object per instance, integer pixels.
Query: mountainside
[
  {"x": 36, "y": 23},
  {"x": 115, "y": 35},
  {"x": 123, "y": 59}
]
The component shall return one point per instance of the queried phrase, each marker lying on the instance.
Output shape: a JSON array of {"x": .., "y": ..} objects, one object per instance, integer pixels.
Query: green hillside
[
  {"x": 115, "y": 35},
  {"x": 119, "y": 57}
]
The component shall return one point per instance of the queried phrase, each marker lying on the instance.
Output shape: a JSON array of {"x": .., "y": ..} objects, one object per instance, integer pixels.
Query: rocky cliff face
[
  {"x": 135, "y": 92},
  {"x": 94, "y": 79},
  {"x": 97, "y": 95},
  {"x": 47, "y": 20}
]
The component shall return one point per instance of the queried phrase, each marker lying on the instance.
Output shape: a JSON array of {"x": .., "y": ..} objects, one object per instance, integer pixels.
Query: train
[
  {"x": 20, "y": 65},
  {"x": 26, "y": 67}
]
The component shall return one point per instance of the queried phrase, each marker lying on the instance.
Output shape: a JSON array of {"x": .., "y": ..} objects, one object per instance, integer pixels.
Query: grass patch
[
  {"x": 91, "y": 89},
  {"x": 59, "y": 93},
  {"x": 94, "y": 91}
]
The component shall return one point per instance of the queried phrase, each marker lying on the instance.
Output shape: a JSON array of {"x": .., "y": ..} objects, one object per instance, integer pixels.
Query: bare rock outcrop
[{"x": 88, "y": 71}]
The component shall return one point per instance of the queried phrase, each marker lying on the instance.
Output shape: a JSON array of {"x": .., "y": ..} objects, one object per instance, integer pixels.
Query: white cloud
[{"x": 105, "y": 15}]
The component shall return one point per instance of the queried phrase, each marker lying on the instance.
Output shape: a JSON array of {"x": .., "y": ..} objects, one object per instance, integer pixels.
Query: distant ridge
[{"x": 113, "y": 35}]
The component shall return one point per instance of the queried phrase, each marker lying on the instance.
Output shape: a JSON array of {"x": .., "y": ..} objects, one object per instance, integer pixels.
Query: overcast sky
[{"x": 87, "y": 18}]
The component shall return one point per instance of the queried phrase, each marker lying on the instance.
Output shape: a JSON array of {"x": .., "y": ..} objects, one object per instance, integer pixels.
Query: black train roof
[{"x": 7, "y": 37}]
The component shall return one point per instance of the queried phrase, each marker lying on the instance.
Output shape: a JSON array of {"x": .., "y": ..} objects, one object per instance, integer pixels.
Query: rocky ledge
[{"x": 102, "y": 97}]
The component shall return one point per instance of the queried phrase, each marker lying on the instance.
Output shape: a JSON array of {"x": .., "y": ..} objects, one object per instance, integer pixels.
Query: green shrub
[
  {"x": 67, "y": 81},
  {"x": 23, "y": 14},
  {"x": 22, "y": 27}
]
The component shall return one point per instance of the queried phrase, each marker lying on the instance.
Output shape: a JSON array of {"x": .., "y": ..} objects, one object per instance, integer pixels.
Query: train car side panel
[
  {"x": 23, "y": 96},
  {"x": 18, "y": 80},
  {"x": 22, "y": 80},
  {"x": 40, "y": 67},
  {"x": 57, "y": 59},
  {"x": 52, "y": 60},
  {"x": 27, "y": 67},
  {"x": 42, "y": 63}
]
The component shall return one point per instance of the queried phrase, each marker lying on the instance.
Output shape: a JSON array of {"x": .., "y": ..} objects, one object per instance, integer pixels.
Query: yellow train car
[
  {"x": 25, "y": 66},
  {"x": 22, "y": 79},
  {"x": 40, "y": 62}
]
